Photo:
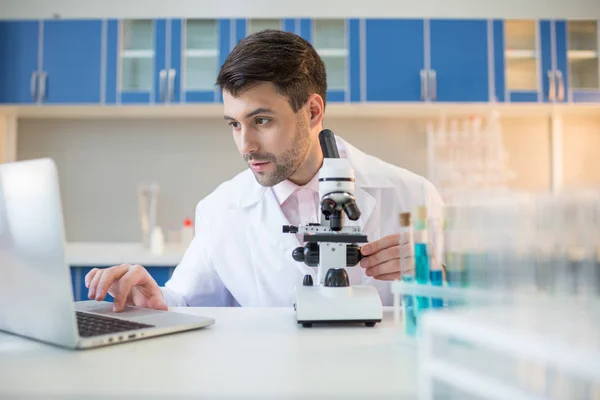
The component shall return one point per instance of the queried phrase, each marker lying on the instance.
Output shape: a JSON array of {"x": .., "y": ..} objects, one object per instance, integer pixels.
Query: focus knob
[
  {"x": 298, "y": 254},
  {"x": 337, "y": 278},
  {"x": 308, "y": 281}
]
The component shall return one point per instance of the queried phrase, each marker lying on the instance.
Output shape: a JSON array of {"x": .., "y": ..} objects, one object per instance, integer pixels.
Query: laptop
[{"x": 36, "y": 295}]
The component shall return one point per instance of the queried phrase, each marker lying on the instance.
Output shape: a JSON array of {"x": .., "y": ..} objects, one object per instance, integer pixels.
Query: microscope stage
[{"x": 353, "y": 304}]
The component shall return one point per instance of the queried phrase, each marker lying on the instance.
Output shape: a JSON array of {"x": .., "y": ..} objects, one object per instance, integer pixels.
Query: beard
[{"x": 288, "y": 162}]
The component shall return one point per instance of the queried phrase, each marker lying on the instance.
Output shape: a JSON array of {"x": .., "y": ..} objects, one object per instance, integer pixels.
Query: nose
[{"x": 248, "y": 142}]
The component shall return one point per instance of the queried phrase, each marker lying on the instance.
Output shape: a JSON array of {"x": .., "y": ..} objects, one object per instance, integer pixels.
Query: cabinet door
[
  {"x": 136, "y": 66},
  {"x": 72, "y": 61},
  {"x": 174, "y": 58},
  {"x": 19, "y": 48},
  {"x": 395, "y": 58},
  {"x": 206, "y": 44},
  {"x": 460, "y": 61},
  {"x": 560, "y": 60},
  {"x": 582, "y": 54},
  {"x": 548, "y": 61},
  {"x": 330, "y": 38},
  {"x": 517, "y": 63}
]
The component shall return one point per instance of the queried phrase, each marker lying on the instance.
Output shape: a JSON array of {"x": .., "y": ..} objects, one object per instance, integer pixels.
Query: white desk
[{"x": 249, "y": 353}]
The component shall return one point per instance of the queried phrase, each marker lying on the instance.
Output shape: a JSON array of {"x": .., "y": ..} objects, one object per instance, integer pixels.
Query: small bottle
[
  {"x": 187, "y": 232},
  {"x": 157, "y": 241}
]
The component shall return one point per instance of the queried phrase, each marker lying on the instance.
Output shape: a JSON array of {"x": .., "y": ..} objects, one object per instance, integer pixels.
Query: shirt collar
[{"x": 283, "y": 190}]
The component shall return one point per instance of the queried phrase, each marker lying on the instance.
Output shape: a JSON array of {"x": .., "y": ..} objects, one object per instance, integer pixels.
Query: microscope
[{"x": 332, "y": 247}]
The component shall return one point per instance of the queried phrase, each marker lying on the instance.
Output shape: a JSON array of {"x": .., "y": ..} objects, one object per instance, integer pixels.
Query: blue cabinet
[
  {"x": 395, "y": 60},
  {"x": 199, "y": 48},
  {"x": 19, "y": 48},
  {"x": 423, "y": 60},
  {"x": 173, "y": 61},
  {"x": 555, "y": 80},
  {"x": 166, "y": 61},
  {"x": 533, "y": 62},
  {"x": 72, "y": 62},
  {"x": 80, "y": 292},
  {"x": 56, "y": 62},
  {"x": 459, "y": 70}
]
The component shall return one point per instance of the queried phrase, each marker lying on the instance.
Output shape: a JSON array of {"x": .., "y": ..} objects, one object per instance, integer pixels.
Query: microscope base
[{"x": 327, "y": 305}]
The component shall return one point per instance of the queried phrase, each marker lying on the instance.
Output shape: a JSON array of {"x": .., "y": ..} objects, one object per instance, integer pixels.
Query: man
[{"x": 274, "y": 87}]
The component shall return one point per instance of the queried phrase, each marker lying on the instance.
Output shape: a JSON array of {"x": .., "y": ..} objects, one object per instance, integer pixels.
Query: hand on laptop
[{"x": 129, "y": 285}]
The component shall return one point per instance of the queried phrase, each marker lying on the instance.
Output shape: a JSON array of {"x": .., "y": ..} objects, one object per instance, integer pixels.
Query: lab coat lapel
[{"x": 270, "y": 219}]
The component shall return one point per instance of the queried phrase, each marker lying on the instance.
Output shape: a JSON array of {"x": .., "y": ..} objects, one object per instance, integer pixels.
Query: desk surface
[{"x": 249, "y": 352}]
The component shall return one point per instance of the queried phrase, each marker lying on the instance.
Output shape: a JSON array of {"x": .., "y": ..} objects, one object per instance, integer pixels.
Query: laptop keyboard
[{"x": 95, "y": 325}]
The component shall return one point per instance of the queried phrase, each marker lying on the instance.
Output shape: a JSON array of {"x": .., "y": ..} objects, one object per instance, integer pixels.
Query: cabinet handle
[
  {"x": 172, "y": 74},
  {"x": 43, "y": 86},
  {"x": 162, "y": 83},
  {"x": 33, "y": 85},
  {"x": 423, "y": 84},
  {"x": 561, "y": 86},
  {"x": 433, "y": 84},
  {"x": 551, "y": 86}
]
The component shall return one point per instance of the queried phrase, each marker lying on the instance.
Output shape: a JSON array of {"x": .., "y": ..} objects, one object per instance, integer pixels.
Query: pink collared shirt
[{"x": 300, "y": 204}]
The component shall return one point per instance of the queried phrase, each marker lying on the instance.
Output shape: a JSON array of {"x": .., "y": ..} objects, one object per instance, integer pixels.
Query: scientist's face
[{"x": 272, "y": 138}]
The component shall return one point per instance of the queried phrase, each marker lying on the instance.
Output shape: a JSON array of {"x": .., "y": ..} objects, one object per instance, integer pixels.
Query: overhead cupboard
[{"x": 176, "y": 61}]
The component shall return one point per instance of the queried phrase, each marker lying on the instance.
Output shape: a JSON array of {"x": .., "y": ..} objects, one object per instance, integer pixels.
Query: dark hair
[{"x": 283, "y": 58}]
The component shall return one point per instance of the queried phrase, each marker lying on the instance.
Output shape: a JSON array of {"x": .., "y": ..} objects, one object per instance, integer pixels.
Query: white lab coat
[{"x": 240, "y": 257}]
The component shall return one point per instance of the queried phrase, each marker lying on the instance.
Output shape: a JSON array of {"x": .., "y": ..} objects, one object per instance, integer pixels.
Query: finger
[
  {"x": 406, "y": 250},
  {"x": 89, "y": 276},
  {"x": 94, "y": 283},
  {"x": 389, "y": 277},
  {"x": 378, "y": 245},
  {"x": 108, "y": 277},
  {"x": 388, "y": 267},
  {"x": 158, "y": 303},
  {"x": 382, "y": 256},
  {"x": 126, "y": 283}
]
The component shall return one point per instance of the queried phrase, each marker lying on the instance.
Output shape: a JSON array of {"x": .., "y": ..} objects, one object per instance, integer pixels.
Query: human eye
[
  {"x": 262, "y": 120},
  {"x": 234, "y": 124}
]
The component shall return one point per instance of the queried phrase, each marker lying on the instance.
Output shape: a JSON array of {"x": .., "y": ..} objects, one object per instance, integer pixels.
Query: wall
[
  {"x": 101, "y": 162},
  {"x": 314, "y": 8}
]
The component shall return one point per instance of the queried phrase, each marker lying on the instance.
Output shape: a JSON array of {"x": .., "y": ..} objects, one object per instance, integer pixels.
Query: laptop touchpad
[{"x": 105, "y": 308}]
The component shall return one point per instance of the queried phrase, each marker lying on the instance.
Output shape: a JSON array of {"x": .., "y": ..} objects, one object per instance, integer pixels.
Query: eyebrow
[{"x": 261, "y": 110}]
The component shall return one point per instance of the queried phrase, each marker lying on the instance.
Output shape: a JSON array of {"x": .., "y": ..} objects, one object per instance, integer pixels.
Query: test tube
[
  {"x": 407, "y": 270},
  {"x": 422, "y": 268}
]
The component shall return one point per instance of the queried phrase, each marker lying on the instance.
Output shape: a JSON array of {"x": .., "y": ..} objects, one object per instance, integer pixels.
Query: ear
[{"x": 316, "y": 109}]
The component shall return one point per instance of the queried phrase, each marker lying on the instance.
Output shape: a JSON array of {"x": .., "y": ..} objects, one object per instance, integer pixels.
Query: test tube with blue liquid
[
  {"x": 435, "y": 246},
  {"x": 422, "y": 270}
]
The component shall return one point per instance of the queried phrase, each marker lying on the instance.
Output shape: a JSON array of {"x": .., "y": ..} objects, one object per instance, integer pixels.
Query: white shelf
[
  {"x": 582, "y": 54},
  {"x": 137, "y": 53},
  {"x": 201, "y": 53},
  {"x": 333, "y": 52},
  {"x": 520, "y": 54}
]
